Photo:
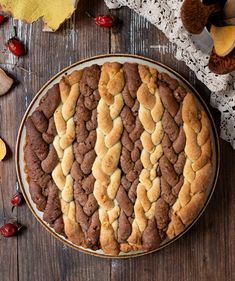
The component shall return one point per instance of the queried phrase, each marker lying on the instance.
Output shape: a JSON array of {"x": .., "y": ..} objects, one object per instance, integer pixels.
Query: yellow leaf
[
  {"x": 3, "y": 149},
  {"x": 53, "y": 12}
]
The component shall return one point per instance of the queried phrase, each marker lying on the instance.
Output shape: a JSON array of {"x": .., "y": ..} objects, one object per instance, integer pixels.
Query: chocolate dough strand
[
  {"x": 131, "y": 149},
  {"x": 173, "y": 159},
  {"x": 83, "y": 148},
  {"x": 41, "y": 158}
]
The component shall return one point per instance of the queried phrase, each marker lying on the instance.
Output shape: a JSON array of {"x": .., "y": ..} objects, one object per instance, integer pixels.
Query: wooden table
[{"x": 206, "y": 252}]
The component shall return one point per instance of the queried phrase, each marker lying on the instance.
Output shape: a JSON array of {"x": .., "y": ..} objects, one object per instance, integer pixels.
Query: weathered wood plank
[
  {"x": 42, "y": 257},
  {"x": 8, "y": 247},
  {"x": 202, "y": 254},
  {"x": 8, "y": 115}
]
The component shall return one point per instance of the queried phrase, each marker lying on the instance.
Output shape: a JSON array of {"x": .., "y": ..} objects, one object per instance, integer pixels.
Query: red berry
[
  {"x": 15, "y": 46},
  {"x": 2, "y": 19},
  {"x": 17, "y": 199},
  {"x": 9, "y": 229},
  {"x": 105, "y": 21}
]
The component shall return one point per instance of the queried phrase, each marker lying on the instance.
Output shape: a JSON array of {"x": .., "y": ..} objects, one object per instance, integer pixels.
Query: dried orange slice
[
  {"x": 223, "y": 38},
  {"x": 3, "y": 149}
]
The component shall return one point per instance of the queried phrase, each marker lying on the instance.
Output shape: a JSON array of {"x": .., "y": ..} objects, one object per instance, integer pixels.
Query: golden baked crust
[
  {"x": 64, "y": 123},
  {"x": 125, "y": 157},
  {"x": 197, "y": 170}
]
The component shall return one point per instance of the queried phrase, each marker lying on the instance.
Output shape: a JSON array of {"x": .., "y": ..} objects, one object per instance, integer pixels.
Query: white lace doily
[{"x": 165, "y": 15}]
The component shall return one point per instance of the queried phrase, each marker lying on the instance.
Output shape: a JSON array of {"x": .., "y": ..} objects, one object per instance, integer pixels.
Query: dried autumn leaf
[
  {"x": 53, "y": 13},
  {"x": 3, "y": 149},
  {"x": 5, "y": 82}
]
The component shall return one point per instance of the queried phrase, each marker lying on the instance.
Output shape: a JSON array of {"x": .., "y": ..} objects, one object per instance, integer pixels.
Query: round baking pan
[{"x": 121, "y": 58}]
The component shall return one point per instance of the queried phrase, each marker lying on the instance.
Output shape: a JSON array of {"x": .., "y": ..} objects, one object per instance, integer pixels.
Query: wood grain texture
[{"x": 206, "y": 252}]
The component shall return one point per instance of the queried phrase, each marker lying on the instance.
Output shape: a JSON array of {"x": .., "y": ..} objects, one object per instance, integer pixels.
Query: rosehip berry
[
  {"x": 105, "y": 20},
  {"x": 2, "y": 19},
  {"x": 10, "y": 229},
  {"x": 15, "y": 46},
  {"x": 17, "y": 199}
]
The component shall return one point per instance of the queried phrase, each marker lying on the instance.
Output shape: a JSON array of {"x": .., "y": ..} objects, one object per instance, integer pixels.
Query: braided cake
[{"x": 118, "y": 157}]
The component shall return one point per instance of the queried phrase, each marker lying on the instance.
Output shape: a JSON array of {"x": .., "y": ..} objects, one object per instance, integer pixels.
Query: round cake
[{"x": 118, "y": 157}]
